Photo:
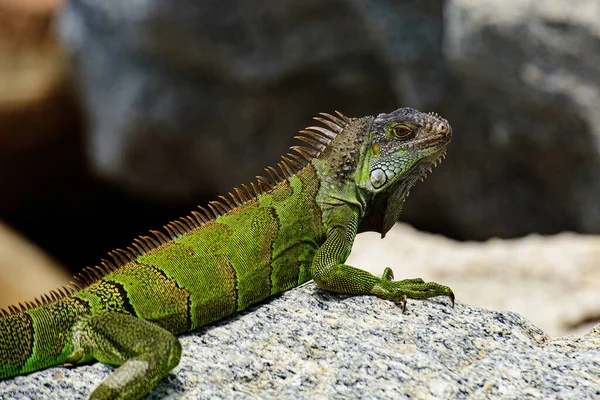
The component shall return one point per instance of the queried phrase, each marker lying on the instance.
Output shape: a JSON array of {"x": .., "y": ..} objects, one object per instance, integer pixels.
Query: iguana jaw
[
  {"x": 401, "y": 190},
  {"x": 426, "y": 166}
]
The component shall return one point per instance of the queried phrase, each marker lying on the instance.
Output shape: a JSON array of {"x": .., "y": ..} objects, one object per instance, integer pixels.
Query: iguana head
[{"x": 403, "y": 146}]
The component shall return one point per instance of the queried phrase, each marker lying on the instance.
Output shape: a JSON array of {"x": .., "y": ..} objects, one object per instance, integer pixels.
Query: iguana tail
[{"x": 33, "y": 338}]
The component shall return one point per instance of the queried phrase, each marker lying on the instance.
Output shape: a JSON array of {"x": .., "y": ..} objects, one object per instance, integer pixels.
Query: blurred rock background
[{"x": 116, "y": 117}]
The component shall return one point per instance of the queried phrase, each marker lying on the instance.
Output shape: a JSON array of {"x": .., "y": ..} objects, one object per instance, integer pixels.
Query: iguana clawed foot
[{"x": 416, "y": 288}]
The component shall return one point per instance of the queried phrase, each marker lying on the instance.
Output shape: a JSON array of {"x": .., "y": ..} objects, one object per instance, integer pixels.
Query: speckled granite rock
[{"x": 311, "y": 344}]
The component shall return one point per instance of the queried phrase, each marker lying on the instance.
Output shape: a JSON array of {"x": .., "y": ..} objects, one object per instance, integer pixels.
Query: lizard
[{"x": 296, "y": 223}]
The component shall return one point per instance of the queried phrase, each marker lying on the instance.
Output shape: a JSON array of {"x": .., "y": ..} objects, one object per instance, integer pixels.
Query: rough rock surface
[
  {"x": 177, "y": 90},
  {"x": 311, "y": 344},
  {"x": 551, "y": 280},
  {"x": 533, "y": 152}
]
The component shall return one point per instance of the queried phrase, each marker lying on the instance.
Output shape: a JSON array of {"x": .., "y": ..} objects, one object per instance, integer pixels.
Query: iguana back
[{"x": 296, "y": 224}]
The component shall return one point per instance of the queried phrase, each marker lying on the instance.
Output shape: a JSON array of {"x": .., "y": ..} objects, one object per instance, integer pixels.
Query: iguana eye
[{"x": 401, "y": 131}]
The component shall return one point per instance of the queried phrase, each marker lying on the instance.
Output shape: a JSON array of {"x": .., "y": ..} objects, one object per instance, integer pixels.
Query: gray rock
[
  {"x": 190, "y": 97},
  {"x": 311, "y": 344},
  {"x": 187, "y": 96},
  {"x": 529, "y": 151}
]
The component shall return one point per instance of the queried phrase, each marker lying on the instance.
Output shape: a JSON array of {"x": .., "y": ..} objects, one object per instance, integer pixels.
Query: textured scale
[{"x": 295, "y": 223}]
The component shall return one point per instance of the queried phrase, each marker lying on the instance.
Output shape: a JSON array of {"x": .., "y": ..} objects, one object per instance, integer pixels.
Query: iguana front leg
[
  {"x": 329, "y": 271},
  {"x": 144, "y": 352}
]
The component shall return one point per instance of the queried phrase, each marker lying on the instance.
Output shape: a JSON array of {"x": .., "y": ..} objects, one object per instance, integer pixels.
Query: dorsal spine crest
[{"x": 315, "y": 139}]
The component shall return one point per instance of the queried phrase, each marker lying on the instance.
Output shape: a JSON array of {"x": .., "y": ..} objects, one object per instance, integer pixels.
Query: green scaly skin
[{"x": 275, "y": 234}]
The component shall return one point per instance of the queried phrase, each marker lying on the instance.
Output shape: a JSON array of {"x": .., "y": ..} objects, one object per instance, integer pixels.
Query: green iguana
[{"x": 297, "y": 224}]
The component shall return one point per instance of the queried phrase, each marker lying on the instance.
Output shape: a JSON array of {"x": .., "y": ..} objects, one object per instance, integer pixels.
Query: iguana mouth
[{"x": 434, "y": 142}]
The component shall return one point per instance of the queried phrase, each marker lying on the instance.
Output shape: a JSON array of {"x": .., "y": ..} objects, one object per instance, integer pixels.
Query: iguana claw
[
  {"x": 403, "y": 302},
  {"x": 415, "y": 288}
]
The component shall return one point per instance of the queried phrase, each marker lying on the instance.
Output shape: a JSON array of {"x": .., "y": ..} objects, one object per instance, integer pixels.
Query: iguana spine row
[{"x": 317, "y": 139}]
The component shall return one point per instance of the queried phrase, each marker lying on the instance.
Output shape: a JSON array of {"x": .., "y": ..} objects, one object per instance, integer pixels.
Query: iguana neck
[{"x": 337, "y": 167}]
